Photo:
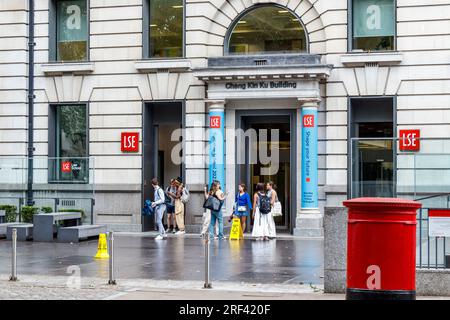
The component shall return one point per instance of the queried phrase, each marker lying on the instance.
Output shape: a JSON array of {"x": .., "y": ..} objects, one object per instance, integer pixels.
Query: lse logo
[
  {"x": 308, "y": 121},
  {"x": 66, "y": 166},
  {"x": 214, "y": 122},
  {"x": 130, "y": 142},
  {"x": 409, "y": 140}
]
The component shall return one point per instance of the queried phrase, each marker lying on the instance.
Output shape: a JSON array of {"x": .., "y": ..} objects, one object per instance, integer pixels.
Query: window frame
[
  {"x": 232, "y": 26},
  {"x": 350, "y": 29},
  {"x": 53, "y": 144},
  {"x": 146, "y": 33},
  {"x": 53, "y": 37}
]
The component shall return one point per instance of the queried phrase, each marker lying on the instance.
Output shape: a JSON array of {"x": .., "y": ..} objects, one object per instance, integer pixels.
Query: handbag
[
  {"x": 212, "y": 203},
  {"x": 277, "y": 210},
  {"x": 147, "y": 210},
  {"x": 242, "y": 209}
]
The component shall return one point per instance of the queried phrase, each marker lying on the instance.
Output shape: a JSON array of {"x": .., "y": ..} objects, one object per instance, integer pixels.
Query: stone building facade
[{"x": 126, "y": 86}]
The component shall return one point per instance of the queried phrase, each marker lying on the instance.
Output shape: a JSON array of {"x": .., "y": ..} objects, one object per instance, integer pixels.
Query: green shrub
[
  {"x": 10, "y": 212},
  {"x": 27, "y": 213},
  {"x": 47, "y": 209}
]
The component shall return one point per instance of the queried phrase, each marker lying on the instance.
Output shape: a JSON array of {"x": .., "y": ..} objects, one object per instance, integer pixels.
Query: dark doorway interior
[
  {"x": 251, "y": 172},
  {"x": 161, "y": 119},
  {"x": 372, "y": 130}
]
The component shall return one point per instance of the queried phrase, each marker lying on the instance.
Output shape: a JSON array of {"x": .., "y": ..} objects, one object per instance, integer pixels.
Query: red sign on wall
[
  {"x": 409, "y": 140},
  {"x": 130, "y": 142},
  {"x": 308, "y": 121},
  {"x": 214, "y": 122},
  {"x": 66, "y": 166}
]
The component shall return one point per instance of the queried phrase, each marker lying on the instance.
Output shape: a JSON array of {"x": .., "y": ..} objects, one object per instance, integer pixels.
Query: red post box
[{"x": 381, "y": 249}]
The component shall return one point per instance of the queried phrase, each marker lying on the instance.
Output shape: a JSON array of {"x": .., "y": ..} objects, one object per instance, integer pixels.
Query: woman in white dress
[
  {"x": 261, "y": 223},
  {"x": 273, "y": 195}
]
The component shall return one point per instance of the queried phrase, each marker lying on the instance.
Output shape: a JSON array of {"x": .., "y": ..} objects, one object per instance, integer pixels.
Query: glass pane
[
  {"x": 268, "y": 29},
  {"x": 166, "y": 28},
  {"x": 373, "y": 24},
  {"x": 71, "y": 143},
  {"x": 72, "y": 30}
]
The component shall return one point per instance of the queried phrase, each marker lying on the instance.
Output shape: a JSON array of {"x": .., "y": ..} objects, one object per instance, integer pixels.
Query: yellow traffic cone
[{"x": 102, "y": 252}]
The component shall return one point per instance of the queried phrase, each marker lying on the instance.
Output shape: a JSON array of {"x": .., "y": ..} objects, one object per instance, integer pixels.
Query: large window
[
  {"x": 166, "y": 28},
  {"x": 71, "y": 163},
  {"x": 267, "y": 29},
  {"x": 373, "y": 25},
  {"x": 71, "y": 30}
]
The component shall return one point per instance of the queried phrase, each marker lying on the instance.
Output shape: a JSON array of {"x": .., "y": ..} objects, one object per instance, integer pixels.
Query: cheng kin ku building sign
[{"x": 261, "y": 85}]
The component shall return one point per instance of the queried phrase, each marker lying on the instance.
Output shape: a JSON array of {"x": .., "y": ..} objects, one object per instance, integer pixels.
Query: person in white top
[
  {"x": 273, "y": 195},
  {"x": 261, "y": 214},
  {"x": 160, "y": 207}
]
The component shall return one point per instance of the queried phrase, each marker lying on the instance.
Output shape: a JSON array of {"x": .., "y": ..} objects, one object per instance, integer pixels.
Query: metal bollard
[
  {"x": 112, "y": 280},
  {"x": 14, "y": 256},
  {"x": 207, "y": 284}
]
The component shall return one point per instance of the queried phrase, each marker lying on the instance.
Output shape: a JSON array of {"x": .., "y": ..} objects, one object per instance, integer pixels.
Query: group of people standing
[
  {"x": 172, "y": 201},
  {"x": 264, "y": 200}
]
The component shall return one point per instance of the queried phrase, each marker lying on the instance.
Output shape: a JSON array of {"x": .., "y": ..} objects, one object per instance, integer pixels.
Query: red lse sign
[
  {"x": 308, "y": 121},
  {"x": 214, "y": 122},
  {"x": 130, "y": 142},
  {"x": 409, "y": 140},
  {"x": 66, "y": 166}
]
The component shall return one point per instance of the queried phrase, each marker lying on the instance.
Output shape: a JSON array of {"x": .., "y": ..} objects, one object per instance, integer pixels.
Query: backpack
[
  {"x": 167, "y": 198},
  {"x": 264, "y": 204},
  {"x": 185, "y": 196},
  {"x": 147, "y": 210}
]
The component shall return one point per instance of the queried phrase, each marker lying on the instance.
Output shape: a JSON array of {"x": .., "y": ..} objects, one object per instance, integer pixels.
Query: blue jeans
[
  {"x": 216, "y": 215},
  {"x": 159, "y": 213}
]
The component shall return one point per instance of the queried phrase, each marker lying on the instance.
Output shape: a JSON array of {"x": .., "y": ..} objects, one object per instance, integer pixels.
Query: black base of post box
[{"x": 358, "y": 294}]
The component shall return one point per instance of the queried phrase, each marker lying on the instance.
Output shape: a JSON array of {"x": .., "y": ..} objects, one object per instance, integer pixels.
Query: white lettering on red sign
[
  {"x": 308, "y": 121},
  {"x": 214, "y": 122},
  {"x": 409, "y": 140},
  {"x": 130, "y": 142}
]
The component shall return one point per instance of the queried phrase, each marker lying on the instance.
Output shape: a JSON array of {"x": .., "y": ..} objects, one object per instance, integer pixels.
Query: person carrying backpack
[
  {"x": 261, "y": 213},
  {"x": 159, "y": 205}
]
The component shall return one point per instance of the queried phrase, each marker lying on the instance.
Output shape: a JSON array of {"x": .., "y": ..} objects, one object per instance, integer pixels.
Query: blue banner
[
  {"x": 309, "y": 178},
  {"x": 216, "y": 147}
]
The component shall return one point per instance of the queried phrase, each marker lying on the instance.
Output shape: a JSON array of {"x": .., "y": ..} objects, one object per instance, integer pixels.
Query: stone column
[
  {"x": 309, "y": 220},
  {"x": 216, "y": 122}
]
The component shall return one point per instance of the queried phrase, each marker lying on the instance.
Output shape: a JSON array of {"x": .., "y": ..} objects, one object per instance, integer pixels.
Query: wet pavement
[{"x": 291, "y": 261}]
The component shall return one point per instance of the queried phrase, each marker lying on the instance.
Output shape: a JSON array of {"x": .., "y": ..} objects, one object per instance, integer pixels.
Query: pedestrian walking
[
  {"x": 171, "y": 192},
  {"x": 159, "y": 206},
  {"x": 242, "y": 206},
  {"x": 273, "y": 195},
  {"x": 216, "y": 215},
  {"x": 261, "y": 214},
  {"x": 179, "y": 207}
]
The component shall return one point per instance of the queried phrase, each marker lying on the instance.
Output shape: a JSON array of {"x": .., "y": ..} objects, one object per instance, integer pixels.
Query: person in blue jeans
[
  {"x": 243, "y": 205},
  {"x": 216, "y": 191}
]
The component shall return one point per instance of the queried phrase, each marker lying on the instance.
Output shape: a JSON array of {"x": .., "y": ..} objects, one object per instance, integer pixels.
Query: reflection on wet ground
[{"x": 177, "y": 258}]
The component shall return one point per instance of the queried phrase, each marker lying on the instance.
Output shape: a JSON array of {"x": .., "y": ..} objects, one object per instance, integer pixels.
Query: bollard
[
  {"x": 112, "y": 280},
  {"x": 207, "y": 284},
  {"x": 14, "y": 256}
]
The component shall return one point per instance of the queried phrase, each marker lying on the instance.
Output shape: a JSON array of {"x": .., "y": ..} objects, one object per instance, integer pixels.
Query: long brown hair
[{"x": 214, "y": 187}]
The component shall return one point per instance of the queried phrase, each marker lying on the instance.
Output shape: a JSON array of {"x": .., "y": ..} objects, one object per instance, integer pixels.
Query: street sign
[
  {"x": 409, "y": 140},
  {"x": 439, "y": 222},
  {"x": 130, "y": 142}
]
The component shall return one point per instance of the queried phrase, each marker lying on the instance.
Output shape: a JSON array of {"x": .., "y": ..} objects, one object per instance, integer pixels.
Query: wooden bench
[
  {"x": 77, "y": 233},
  {"x": 2, "y": 216},
  {"x": 4, "y": 227},
  {"x": 24, "y": 232},
  {"x": 44, "y": 224}
]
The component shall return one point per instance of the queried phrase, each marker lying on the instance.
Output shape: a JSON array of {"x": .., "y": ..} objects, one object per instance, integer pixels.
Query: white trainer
[
  {"x": 180, "y": 232},
  {"x": 159, "y": 237}
]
